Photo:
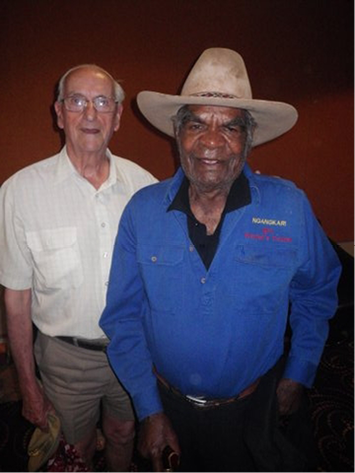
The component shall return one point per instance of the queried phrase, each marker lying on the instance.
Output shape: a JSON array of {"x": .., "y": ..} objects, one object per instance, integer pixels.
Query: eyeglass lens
[{"x": 77, "y": 103}]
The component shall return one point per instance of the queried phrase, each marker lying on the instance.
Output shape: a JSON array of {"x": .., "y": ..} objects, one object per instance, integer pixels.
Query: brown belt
[{"x": 207, "y": 403}]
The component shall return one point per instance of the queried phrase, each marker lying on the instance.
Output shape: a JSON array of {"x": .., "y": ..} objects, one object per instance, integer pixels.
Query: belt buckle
[{"x": 200, "y": 401}]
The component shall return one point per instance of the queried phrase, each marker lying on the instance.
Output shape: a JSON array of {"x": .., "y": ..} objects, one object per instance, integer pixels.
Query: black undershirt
[{"x": 206, "y": 245}]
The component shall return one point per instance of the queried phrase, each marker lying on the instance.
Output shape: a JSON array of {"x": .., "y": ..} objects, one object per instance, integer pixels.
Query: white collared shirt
[{"x": 56, "y": 237}]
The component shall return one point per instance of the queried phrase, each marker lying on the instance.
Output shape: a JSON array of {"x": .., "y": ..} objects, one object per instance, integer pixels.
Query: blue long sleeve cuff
[
  {"x": 300, "y": 370},
  {"x": 147, "y": 403}
]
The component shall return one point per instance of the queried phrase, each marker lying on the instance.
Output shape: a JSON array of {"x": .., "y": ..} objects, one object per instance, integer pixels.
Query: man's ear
[
  {"x": 118, "y": 117},
  {"x": 58, "y": 107}
]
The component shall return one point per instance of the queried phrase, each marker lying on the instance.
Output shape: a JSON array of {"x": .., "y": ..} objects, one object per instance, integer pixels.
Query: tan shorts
[{"x": 79, "y": 383}]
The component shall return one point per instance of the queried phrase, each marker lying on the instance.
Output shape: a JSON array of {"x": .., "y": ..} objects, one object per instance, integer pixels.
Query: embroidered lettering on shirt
[
  {"x": 269, "y": 221},
  {"x": 268, "y": 235}
]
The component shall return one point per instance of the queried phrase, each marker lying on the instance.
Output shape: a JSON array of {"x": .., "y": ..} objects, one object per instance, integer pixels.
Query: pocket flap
[
  {"x": 160, "y": 255},
  {"x": 51, "y": 239},
  {"x": 266, "y": 256}
]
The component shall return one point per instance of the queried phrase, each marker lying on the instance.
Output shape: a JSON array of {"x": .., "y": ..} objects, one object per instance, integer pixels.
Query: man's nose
[
  {"x": 90, "y": 110},
  {"x": 212, "y": 138}
]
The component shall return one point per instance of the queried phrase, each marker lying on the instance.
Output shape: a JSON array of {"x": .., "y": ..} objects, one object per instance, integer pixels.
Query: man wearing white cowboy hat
[{"x": 205, "y": 267}]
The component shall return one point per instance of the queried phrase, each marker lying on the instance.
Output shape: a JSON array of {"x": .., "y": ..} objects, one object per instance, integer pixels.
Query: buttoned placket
[
  {"x": 206, "y": 301},
  {"x": 105, "y": 237},
  {"x": 204, "y": 280}
]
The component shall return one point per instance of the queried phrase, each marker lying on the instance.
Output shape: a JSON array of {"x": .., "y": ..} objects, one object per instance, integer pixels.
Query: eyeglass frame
[{"x": 87, "y": 101}]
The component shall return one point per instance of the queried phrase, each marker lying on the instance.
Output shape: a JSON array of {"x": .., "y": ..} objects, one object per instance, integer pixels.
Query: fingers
[
  {"x": 170, "y": 459},
  {"x": 37, "y": 410},
  {"x": 156, "y": 436},
  {"x": 36, "y": 417},
  {"x": 157, "y": 462}
]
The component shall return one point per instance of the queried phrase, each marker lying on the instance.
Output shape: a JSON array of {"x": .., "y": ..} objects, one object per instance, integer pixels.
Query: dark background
[{"x": 297, "y": 51}]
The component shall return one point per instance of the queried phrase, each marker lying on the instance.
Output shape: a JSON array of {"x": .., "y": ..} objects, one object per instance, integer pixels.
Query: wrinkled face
[
  {"x": 211, "y": 144},
  {"x": 88, "y": 131}
]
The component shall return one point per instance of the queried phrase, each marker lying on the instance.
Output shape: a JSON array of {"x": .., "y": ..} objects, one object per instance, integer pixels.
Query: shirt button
[
  {"x": 154, "y": 259},
  {"x": 106, "y": 283},
  {"x": 105, "y": 254},
  {"x": 103, "y": 224},
  {"x": 203, "y": 280},
  {"x": 191, "y": 248}
]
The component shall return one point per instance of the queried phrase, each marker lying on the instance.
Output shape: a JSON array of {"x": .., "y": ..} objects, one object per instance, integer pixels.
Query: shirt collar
[{"x": 239, "y": 196}]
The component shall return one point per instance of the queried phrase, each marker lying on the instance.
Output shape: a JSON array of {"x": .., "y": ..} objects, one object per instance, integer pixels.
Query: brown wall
[{"x": 297, "y": 51}]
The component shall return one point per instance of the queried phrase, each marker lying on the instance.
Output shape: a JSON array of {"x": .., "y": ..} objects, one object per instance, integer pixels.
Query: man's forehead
[
  {"x": 208, "y": 110},
  {"x": 88, "y": 76}
]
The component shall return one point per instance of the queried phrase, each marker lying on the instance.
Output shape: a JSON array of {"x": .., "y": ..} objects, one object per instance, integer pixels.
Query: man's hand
[
  {"x": 36, "y": 406},
  {"x": 289, "y": 395},
  {"x": 155, "y": 434}
]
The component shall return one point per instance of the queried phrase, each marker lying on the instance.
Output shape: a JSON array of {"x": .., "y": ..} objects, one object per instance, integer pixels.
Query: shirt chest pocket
[
  {"x": 56, "y": 258},
  {"x": 262, "y": 277},
  {"x": 161, "y": 270}
]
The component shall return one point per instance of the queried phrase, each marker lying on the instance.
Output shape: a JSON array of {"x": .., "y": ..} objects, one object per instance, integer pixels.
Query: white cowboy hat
[{"x": 219, "y": 77}]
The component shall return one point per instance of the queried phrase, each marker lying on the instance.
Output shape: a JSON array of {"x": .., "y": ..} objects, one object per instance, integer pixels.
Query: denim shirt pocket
[
  {"x": 162, "y": 271},
  {"x": 56, "y": 258},
  {"x": 262, "y": 277}
]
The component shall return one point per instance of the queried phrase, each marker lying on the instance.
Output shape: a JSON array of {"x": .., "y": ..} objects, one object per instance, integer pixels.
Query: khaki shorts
[{"x": 79, "y": 383}]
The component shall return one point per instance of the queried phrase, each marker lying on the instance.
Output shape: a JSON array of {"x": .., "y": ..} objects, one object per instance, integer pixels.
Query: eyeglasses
[{"x": 77, "y": 103}]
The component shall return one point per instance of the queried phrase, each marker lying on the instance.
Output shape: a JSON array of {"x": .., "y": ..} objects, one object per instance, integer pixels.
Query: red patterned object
[{"x": 66, "y": 458}]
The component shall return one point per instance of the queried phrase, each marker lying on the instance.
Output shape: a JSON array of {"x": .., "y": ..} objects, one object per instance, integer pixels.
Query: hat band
[{"x": 220, "y": 95}]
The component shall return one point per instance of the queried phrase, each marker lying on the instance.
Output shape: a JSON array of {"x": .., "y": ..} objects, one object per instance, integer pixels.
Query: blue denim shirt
[{"x": 213, "y": 332}]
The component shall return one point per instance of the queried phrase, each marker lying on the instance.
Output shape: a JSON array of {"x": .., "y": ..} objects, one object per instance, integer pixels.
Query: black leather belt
[{"x": 82, "y": 343}]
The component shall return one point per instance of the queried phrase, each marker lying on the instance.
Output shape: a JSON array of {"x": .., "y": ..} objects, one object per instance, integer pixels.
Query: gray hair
[
  {"x": 247, "y": 123},
  {"x": 118, "y": 90}
]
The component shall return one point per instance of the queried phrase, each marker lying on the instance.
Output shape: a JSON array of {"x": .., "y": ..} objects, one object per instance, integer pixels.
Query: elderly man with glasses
[{"x": 59, "y": 218}]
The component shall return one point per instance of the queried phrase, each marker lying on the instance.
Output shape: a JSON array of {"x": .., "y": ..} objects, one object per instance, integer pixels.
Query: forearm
[
  {"x": 35, "y": 406},
  {"x": 19, "y": 326},
  {"x": 314, "y": 300}
]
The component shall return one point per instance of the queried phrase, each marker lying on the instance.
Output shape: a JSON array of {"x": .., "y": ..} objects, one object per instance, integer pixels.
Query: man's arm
[
  {"x": 123, "y": 322},
  {"x": 19, "y": 324},
  {"x": 313, "y": 297}
]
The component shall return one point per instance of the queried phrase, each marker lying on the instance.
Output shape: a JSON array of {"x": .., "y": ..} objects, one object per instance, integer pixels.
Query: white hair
[{"x": 118, "y": 91}]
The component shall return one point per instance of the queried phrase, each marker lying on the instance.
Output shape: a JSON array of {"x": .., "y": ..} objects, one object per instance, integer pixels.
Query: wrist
[{"x": 153, "y": 417}]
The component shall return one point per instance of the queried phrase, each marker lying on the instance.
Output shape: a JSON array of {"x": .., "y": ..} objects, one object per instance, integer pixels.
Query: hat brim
[
  {"x": 273, "y": 119},
  {"x": 43, "y": 444}
]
